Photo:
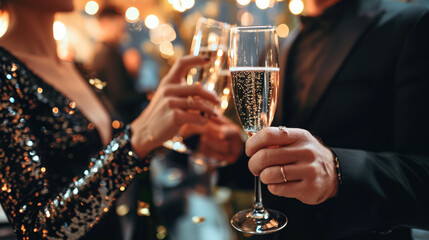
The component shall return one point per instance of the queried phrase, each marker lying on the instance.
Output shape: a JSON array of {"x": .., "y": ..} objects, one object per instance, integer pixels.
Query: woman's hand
[
  {"x": 219, "y": 139},
  {"x": 172, "y": 105},
  {"x": 293, "y": 163}
]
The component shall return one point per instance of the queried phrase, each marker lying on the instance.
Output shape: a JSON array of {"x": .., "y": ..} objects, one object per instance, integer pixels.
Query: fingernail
[
  {"x": 203, "y": 114},
  {"x": 283, "y": 130}
]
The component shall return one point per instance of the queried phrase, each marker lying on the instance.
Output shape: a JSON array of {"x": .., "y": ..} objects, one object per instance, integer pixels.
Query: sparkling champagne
[
  {"x": 255, "y": 96},
  {"x": 222, "y": 87},
  {"x": 207, "y": 74}
]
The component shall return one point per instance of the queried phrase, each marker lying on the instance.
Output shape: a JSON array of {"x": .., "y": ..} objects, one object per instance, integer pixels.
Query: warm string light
[
  {"x": 262, "y": 4},
  {"x": 182, "y": 5},
  {"x": 243, "y": 2},
  {"x": 60, "y": 30},
  {"x": 296, "y": 7},
  {"x": 151, "y": 21},
  {"x": 4, "y": 22},
  {"x": 163, "y": 35},
  {"x": 163, "y": 32},
  {"x": 246, "y": 19},
  {"x": 166, "y": 48},
  {"x": 132, "y": 14},
  {"x": 282, "y": 30},
  {"x": 91, "y": 7}
]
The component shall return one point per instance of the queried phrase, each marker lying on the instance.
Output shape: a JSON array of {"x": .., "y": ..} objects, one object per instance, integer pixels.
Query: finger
[
  {"x": 213, "y": 154},
  {"x": 196, "y": 104},
  {"x": 289, "y": 189},
  {"x": 273, "y": 174},
  {"x": 274, "y": 136},
  {"x": 212, "y": 145},
  {"x": 184, "y": 117},
  {"x": 181, "y": 67},
  {"x": 191, "y": 129},
  {"x": 277, "y": 156},
  {"x": 219, "y": 156},
  {"x": 214, "y": 131},
  {"x": 193, "y": 90}
]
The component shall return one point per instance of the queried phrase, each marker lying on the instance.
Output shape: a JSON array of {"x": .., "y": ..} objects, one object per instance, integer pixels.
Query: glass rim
[
  {"x": 213, "y": 22},
  {"x": 255, "y": 28}
]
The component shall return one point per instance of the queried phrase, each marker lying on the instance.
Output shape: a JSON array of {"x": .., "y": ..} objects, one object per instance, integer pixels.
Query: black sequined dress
[{"x": 56, "y": 179}]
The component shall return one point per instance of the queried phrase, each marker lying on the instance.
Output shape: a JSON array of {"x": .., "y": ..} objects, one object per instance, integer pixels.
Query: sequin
[{"x": 56, "y": 180}]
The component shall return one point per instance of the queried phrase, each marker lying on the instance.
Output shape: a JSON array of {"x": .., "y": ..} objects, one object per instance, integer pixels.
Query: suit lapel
[
  {"x": 345, "y": 37},
  {"x": 284, "y": 54}
]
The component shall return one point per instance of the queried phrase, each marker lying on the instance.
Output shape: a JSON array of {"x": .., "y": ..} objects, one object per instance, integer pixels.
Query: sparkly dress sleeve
[{"x": 37, "y": 205}]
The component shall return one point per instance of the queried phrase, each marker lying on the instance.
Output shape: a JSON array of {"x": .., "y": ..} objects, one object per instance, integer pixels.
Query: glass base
[
  {"x": 176, "y": 145},
  {"x": 274, "y": 222}
]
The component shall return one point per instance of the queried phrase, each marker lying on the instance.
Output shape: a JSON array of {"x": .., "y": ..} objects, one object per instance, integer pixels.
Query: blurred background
[
  {"x": 162, "y": 30},
  {"x": 158, "y": 32}
]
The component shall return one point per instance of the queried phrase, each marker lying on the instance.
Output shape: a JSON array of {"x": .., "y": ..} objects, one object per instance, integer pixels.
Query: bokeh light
[
  {"x": 182, "y": 5},
  {"x": 243, "y": 2},
  {"x": 151, "y": 21},
  {"x": 4, "y": 22},
  {"x": 163, "y": 32},
  {"x": 246, "y": 19},
  {"x": 262, "y": 4},
  {"x": 132, "y": 14},
  {"x": 60, "y": 30},
  {"x": 91, "y": 7},
  {"x": 166, "y": 49},
  {"x": 296, "y": 7},
  {"x": 282, "y": 30},
  {"x": 188, "y": 4}
]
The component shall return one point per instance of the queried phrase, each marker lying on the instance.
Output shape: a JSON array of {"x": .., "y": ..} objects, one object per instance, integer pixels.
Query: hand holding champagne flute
[
  {"x": 254, "y": 69},
  {"x": 210, "y": 42}
]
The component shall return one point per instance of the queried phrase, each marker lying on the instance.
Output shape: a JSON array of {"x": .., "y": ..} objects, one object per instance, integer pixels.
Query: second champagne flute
[
  {"x": 209, "y": 41},
  {"x": 254, "y": 69}
]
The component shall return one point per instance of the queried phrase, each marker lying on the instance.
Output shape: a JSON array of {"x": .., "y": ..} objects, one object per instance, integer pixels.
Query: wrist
[
  {"x": 337, "y": 172},
  {"x": 141, "y": 143}
]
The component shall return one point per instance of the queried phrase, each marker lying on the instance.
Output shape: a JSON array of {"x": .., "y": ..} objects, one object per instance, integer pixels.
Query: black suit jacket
[{"x": 369, "y": 104}]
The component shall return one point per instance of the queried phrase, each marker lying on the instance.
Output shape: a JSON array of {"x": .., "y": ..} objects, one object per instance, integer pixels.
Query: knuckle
[
  {"x": 264, "y": 176},
  {"x": 312, "y": 172},
  {"x": 251, "y": 166},
  {"x": 198, "y": 87},
  {"x": 265, "y": 154},
  {"x": 275, "y": 189},
  {"x": 180, "y": 62},
  {"x": 308, "y": 153},
  {"x": 306, "y": 133},
  {"x": 176, "y": 115},
  {"x": 269, "y": 134},
  {"x": 170, "y": 102},
  {"x": 166, "y": 90}
]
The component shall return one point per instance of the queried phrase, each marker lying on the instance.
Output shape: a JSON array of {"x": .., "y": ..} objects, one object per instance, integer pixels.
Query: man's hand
[
  {"x": 219, "y": 139},
  {"x": 307, "y": 165}
]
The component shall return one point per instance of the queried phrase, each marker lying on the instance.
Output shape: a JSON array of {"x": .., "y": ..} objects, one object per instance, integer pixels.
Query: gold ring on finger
[
  {"x": 283, "y": 173},
  {"x": 189, "y": 101}
]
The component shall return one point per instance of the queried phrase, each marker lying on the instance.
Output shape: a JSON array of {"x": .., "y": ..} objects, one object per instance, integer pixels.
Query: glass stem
[{"x": 258, "y": 211}]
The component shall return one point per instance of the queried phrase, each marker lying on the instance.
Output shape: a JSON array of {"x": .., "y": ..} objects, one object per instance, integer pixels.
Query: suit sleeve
[{"x": 385, "y": 190}]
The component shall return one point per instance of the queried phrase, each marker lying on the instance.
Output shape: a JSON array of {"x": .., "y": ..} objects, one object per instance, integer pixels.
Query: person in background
[
  {"x": 119, "y": 71},
  {"x": 352, "y": 161},
  {"x": 62, "y": 166}
]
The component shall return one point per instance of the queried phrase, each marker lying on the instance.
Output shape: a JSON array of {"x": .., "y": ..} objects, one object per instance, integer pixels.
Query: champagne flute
[
  {"x": 209, "y": 41},
  {"x": 254, "y": 69}
]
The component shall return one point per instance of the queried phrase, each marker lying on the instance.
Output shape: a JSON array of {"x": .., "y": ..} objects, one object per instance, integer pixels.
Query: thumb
[{"x": 181, "y": 67}]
